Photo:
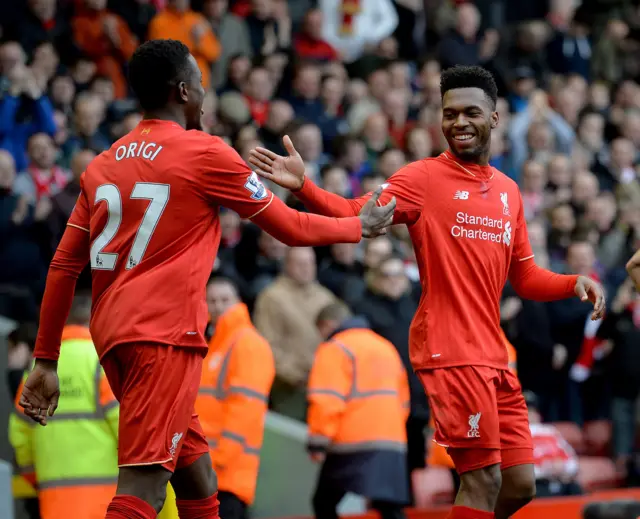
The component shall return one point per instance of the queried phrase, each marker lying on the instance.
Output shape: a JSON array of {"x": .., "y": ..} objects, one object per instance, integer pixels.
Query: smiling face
[{"x": 467, "y": 120}]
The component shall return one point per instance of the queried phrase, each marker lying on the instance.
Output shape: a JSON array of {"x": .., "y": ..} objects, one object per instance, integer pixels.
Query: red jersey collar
[
  {"x": 475, "y": 170},
  {"x": 157, "y": 122}
]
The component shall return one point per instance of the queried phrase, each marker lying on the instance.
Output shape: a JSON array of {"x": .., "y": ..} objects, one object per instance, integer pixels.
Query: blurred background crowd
[{"x": 355, "y": 83}]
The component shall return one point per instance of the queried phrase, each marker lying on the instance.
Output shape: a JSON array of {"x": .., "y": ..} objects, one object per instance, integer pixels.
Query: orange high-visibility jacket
[
  {"x": 358, "y": 397},
  {"x": 232, "y": 402}
]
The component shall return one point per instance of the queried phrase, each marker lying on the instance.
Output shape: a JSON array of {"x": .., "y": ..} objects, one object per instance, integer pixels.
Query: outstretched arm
[
  {"x": 230, "y": 183},
  {"x": 408, "y": 186},
  {"x": 633, "y": 268}
]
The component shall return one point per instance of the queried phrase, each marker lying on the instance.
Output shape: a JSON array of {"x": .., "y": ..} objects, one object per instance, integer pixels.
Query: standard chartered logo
[{"x": 473, "y": 227}]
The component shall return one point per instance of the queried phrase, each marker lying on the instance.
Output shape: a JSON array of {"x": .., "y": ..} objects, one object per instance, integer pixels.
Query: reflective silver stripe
[
  {"x": 319, "y": 440},
  {"x": 74, "y": 416},
  {"x": 354, "y": 393},
  {"x": 218, "y": 391},
  {"x": 98, "y": 376},
  {"x": 213, "y": 443},
  {"x": 377, "y": 392},
  {"x": 386, "y": 445},
  {"x": 111, "y": 405},
  {"x": 233, "y": 436},
  {"x": 251, "y": 393},
  {"x": 27, "y": 469},
  {"x": 330, "y": 392},
  {"x": 77, "y": 482}
]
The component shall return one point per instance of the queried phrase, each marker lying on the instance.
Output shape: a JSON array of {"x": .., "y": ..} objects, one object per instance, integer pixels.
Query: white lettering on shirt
[
  {"x": 474, "y": 227},
  {"x": 148, "y": 151}
]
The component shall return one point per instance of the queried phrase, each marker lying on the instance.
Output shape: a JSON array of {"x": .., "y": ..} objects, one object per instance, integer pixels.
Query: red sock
[
  {"x": 198, "y": 508},
  {"x": 464, "y": 512},
  {"x": 130, "y": 507}
]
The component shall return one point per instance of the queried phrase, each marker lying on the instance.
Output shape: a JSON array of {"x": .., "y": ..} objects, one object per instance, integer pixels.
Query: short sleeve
[
  {"x": 521, "y": 247},
  {"x": 81, "y": 215},
  {"x": 409, "y": 185},
  {"x": 228, "y": 182}
]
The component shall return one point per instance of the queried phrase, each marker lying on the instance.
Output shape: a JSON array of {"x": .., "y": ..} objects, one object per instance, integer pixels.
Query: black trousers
[
  {"x": 231, "y": 507},
  {"x": 327, "y": 497}
]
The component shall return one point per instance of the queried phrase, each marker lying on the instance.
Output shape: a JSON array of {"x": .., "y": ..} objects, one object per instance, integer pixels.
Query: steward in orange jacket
[
  {"x": 358, "y": 396},
  {"x": 232, "y": 402}
]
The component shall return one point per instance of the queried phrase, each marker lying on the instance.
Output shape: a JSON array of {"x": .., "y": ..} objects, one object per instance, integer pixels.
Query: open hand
[
  {"x": 287, "y": 172},
  {"x": 41, "y": 391},
  {"x": 375, "y": 219},
  {"x": 589, "y": 290}
]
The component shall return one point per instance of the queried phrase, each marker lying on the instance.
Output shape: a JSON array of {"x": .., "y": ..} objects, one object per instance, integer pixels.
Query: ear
[
  {"x": 182, "y": 93},
  {"x": 495, "y": 119}
]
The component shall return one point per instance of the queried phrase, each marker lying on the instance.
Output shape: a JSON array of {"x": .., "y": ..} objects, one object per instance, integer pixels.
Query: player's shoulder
[{"x": 505, "y": 180}]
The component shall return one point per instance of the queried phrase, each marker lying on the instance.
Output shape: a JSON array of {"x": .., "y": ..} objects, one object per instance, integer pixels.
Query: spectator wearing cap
[
  {"x": 354, "y": 26},
  {"x": 179, "y": 22},
  {"x": 105, "y": 38},
  {"x": 232, "y": 33}
]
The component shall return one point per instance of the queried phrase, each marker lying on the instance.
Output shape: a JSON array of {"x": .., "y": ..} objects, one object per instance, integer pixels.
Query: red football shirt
[
  {"x": 147, "y": 220},
  {"x": 469, "y": 233}
]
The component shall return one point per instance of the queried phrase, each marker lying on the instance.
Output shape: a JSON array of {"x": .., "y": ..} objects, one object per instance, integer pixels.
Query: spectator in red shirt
[
  {"x": 258, "y": 92},
  {"x": 309, "y": 44}
]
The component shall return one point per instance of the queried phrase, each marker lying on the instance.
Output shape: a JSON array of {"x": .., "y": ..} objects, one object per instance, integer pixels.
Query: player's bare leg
[
  {"x": 196, "y": 487},
  {"x": 478, "y": 493},
  {"x": 518, "y": 489},
  {"x": 141, "y": 492}
]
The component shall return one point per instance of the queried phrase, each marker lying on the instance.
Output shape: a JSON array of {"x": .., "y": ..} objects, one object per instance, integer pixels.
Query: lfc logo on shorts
[
  {"x": 174, "y": 443},
  {"x": 474, "y": 431}
]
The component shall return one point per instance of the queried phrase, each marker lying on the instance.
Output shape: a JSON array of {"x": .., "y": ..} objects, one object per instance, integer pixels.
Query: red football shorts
[
  {"x": 480, "y": 416},
  {"x": 156, "y": 386}
]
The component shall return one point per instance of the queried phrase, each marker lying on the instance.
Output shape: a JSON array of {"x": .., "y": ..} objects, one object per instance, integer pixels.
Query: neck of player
[
  {"x": 167, "y": 114},
  {"x": 481, "y": 159}
]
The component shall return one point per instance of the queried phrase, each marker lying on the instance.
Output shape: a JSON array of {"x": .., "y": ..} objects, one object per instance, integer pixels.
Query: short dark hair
[
  {"x": 338, "y": 311},
  {"x": 155, "y": 68},
  {"x": 469, "y": 77}
]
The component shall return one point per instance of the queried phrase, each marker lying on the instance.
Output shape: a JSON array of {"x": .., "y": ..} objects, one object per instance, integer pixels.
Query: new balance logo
[
  {"x": 474, "y": 428},
  {"x": 461, "y": 195}
]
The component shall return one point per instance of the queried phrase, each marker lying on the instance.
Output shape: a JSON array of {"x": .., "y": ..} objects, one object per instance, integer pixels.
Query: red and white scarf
[
  {"x": 48, "y": 183},
  {"x": 349, "y": 9}
]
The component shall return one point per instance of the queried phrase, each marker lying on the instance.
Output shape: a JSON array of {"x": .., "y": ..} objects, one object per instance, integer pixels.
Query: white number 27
[{"x": 158, "y": 194}]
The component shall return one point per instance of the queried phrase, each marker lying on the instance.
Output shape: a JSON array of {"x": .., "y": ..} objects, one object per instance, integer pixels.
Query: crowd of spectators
[{"x": 355, "y": 83}]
